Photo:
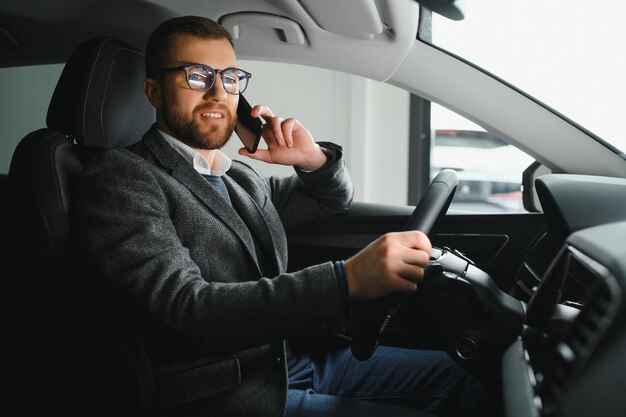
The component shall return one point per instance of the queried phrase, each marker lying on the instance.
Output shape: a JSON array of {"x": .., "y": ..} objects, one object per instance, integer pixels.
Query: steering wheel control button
[
  {"x": 466, "y": 348},
  {"x": 453, "y": 263}
]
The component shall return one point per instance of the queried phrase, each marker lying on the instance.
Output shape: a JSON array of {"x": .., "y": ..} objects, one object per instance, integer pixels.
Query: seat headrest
[{"x": 99, "y": 100}]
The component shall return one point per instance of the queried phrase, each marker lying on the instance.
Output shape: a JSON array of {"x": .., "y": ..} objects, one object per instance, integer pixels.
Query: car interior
[{"x": 531, "y": 303}]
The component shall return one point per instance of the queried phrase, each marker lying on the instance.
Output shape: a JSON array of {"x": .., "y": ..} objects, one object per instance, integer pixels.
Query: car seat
[{"x": 81, "y": 359}]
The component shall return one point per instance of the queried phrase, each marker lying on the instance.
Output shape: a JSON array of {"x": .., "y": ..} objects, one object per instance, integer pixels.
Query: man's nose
[{"x": 217, "y": 91}]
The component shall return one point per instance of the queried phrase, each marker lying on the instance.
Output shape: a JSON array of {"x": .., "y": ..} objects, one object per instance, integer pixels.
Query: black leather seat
[{"x": 81, "y": 359}]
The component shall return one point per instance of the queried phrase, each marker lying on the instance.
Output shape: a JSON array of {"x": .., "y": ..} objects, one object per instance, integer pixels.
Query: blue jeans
[{"x": 393, "y": 382}]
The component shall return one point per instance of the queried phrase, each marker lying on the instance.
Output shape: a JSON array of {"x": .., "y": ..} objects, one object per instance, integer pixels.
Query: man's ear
[{"x": 154, "y": 92}]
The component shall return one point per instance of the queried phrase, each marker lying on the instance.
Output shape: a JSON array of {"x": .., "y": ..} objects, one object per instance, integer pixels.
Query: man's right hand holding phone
[{"x": 288, "y": 142}]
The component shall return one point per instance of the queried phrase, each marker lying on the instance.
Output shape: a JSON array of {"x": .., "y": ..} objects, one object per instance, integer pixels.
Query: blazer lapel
[
  {"x": 170, "y": 159},
  {"x": 255, "y": 219}
]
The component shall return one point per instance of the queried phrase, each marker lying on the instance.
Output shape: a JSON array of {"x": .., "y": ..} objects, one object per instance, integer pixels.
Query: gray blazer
[{"x": 180, "y": 262}]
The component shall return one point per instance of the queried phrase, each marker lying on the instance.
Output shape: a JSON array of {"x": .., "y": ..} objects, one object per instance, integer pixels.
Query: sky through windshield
[{"x": 566, "y": 53}]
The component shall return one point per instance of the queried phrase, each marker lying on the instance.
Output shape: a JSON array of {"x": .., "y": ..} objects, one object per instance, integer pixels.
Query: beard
[{"x": 190, "y": 131}]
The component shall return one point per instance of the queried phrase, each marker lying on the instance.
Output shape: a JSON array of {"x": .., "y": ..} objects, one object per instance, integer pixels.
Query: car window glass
[
  {"x": 490, "y": 170},
  {"x": 26, "y": 93},
  {"x": 371, "y": 120},
  {"x": 565, "y": 53}
]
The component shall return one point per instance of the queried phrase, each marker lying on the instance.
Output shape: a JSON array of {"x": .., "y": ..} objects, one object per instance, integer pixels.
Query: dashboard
[
  {"x": 570, "y": 203},
  {"x": 568, "y": 360}
]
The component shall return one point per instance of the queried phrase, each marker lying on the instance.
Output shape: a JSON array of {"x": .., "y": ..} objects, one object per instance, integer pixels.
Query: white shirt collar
[{"x": 221, "y": 162}]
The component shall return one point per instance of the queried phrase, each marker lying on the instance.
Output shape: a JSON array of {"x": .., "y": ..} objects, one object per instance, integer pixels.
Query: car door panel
[{"x": 495, "y": 242}]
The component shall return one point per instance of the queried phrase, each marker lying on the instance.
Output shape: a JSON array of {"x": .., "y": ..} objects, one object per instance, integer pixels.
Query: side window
[
  {"x": 372, "y": 121},
  {"x": 26, "y": 93},
  {"x": 490, "y": 170}
]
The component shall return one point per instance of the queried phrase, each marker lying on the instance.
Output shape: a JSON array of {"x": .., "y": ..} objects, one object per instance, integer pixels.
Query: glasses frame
[{"x": 216, "y": 71}]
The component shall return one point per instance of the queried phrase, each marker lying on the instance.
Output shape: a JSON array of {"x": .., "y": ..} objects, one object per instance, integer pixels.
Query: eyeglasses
[{"x": 202, "y": 77}]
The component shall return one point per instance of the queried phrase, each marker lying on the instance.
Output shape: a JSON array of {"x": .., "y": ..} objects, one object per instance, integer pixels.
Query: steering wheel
[{"x": 427, "y": 215}]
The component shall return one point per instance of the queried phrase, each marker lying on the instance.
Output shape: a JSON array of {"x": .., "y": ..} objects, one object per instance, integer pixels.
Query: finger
[
  {"x": 276, "y": 126},
  {"x": 267, "y": 133},
  {"x": 259, "y": 155},
  {"x": 408, "y": 268},
  {"x": 417, "y": 257},
  {"x": 409, "y": 247},
  {"x": 287, "y": 129},
  {"x": 416, "y": 240},
  {"x": 263, "y": 111},
  {"x": 412, "y": 273}
]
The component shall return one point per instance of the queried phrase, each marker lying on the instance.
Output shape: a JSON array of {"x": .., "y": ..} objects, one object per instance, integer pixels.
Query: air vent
[{"x": 591, "y": 324}]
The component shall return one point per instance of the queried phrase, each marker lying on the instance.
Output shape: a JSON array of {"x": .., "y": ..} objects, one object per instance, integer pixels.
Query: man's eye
[
  {"x": 197, "y": 77},
  {"x": 230, "y": 80}
]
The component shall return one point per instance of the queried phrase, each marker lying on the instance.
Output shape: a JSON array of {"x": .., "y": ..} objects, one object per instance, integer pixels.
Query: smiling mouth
[{"x": 213, "y": 115}]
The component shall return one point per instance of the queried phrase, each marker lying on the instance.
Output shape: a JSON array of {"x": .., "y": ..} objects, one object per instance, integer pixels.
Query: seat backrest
[{"x": 80, "y": 359}]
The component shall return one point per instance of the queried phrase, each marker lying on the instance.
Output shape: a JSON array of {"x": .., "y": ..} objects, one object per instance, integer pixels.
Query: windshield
[{"x": 565, "y": 53}]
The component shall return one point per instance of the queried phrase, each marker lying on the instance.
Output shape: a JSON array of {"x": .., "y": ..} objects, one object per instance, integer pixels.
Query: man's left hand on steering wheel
[{"x": 407, "y": 269}]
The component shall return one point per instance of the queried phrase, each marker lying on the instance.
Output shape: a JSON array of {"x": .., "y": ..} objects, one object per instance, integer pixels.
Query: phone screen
[{"x": 248, "y": 128}]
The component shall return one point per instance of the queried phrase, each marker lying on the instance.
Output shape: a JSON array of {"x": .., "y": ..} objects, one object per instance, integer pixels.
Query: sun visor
[{"x": 363, "y": 22}]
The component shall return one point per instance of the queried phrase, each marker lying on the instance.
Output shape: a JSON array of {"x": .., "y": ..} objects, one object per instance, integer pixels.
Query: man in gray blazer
[{"x": 192, "y": 247}]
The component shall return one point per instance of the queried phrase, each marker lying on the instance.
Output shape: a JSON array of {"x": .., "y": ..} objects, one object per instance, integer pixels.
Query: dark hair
[{"x": 160, "y": 41}]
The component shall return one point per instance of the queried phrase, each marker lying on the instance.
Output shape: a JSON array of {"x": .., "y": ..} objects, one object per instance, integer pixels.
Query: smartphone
[{"x": 248, "y": 128}]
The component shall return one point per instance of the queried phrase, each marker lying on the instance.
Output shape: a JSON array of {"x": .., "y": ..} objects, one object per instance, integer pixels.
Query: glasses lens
[
  {"x": 235, "y": 80},
  {"x": 200, "y": 77}
]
